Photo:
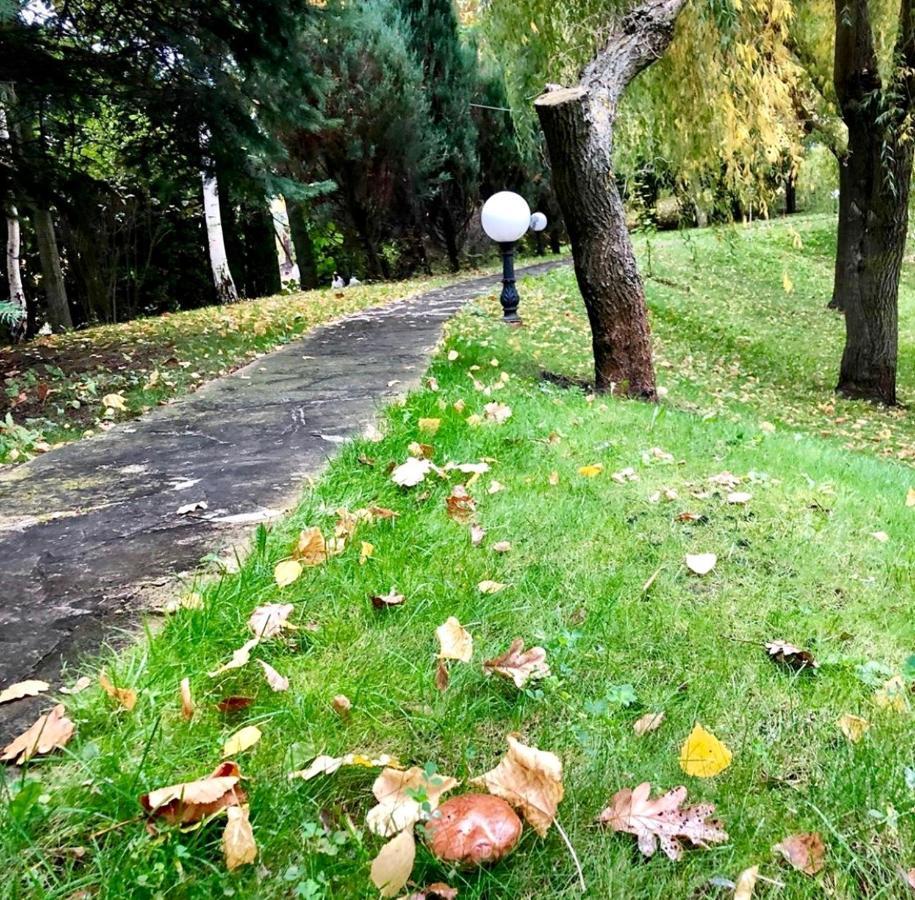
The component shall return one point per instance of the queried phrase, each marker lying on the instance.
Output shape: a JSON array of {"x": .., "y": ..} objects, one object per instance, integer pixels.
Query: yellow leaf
[
  {"x": 591, "y": 471},
  {"x": 893, "y": 695},
  {"x": 429, "y": 426},
  {"x": 365, "y": 552},
  {"x": 238, "y": 844},
  {"x": 853, "y": 727},
  {"x": 746, "y": 883},
  {"x": 242, "y": 740},
  {"x": 286, "y": 572},
  {"x": 910, "y": 497},
  {"x": 787, "y": 283},
  {"x": 187, "y": 701},
  {"x": 490, "y": 587},
  {"x": 392, "y": 867},
  {"x": 703, "y": 755},
  {"x": 114, "y": 401}
]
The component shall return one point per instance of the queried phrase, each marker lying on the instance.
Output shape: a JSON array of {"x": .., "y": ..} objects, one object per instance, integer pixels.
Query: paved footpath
[{"x": 88, "y": 532}]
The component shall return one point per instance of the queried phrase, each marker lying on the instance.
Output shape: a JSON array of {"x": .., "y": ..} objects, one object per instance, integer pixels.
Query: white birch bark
[
  {"x": 285, "y": 251},
  {"x": 13, "y": 241},
  {"x": 216, "y": 244}
]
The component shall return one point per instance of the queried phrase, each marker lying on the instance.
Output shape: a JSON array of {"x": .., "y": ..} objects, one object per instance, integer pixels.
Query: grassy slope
[{"x": 797, "y": 562}]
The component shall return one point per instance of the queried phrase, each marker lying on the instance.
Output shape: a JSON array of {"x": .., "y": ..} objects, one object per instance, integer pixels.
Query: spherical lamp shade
[
  {"x": 538, "y": 221},
  {"x": 505, "y": 217}
]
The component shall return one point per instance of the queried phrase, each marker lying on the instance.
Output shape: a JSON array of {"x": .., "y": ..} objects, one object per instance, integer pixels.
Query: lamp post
[{"x": 505, "y": 219}]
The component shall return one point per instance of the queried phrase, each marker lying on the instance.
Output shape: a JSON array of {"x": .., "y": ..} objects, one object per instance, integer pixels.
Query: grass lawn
[
  {"x": 53, "y": 389},
  {"x": 748, "y": 365}
]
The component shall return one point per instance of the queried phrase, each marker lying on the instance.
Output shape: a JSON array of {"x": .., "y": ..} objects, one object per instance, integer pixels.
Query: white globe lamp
[{"x": 538, "y": 221}]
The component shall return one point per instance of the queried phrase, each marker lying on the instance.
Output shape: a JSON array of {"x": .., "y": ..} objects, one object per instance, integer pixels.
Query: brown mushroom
[{"x": 472, "y": 829}]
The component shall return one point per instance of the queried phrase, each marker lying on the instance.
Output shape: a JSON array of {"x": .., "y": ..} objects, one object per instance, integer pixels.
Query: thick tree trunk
[
  {"x": 578, "y": 125},
  {"x": 304, "y": 246},
  {"x": 790, "y": 194},
  {"x": 216, "y": 245},
  {"x": 52, "y": 279},
  {"x": 14, "y": 272},
  {"x": 845, "y": 254},
  {"x": 604, "y": 259}
]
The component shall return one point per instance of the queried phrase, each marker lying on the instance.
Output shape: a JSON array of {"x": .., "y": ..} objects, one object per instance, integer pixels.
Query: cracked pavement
[{"x": 88, "y": 531}]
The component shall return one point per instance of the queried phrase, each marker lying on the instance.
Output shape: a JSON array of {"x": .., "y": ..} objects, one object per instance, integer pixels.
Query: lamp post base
[{"x": 509, "y": 297}]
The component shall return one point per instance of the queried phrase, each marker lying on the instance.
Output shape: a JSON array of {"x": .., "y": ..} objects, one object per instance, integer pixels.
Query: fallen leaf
[
  {"x": 490, "y": 587},
  {"x": 453, "y": 355},
  {"x": 893, "y": 695},
  {"x": 624, "y": 475},
  {"x": 243, "y": 739},
  {"x": 662, "y": 821},
  {"x": 454, "y": 641},
  {"x": 234, "y": 703},
  {"x": 746, "y": 883},
  {"x": 48, "y": 732},
  {"x": 191, "y": 801},
  {"x": 880, "y": 536},
  {"x": 495, "y": 487},
  {"x": 429, "y": 426},
  {"x": 478, "y": 468},
  {"x": 460, "y": 504},
  {"x": 530, "y": 780},
  {"x": 473, "y": 829},
  {"x": 341, "y": 705},
  {"x": 442, "y": 675},
  {"x": 125, "y": 696},
  {"x": 791, "y": 656},
  {"x": 311, "y": 547},
  {"x": 501, "y": 546},
  {"x": 269, "y": 620},
  {"x": 853, "y": 727},
  {"x": 806, "y": 852},
  {"x": 739, "y": 498},
  {"x": 701, "y": 563},
  {"x": 477, "y": 533},
  {"x": 703, "y": 755},
  {"x": 79, "y": 685},
  {"x": 648, "y": 723},
  {"x": 276, "y": 681},
  {"x": 327, "y": 765},
  {"x": 553, "y": 479},
  {"x": 187, "y": 701},
  {"x": 497, "y": 413},
  {"x": 286, "y": 572},
  {"x": 725, "y": 479},
  {"x": 238, "y": 846},
  {"x": 114, "y": 401},
  {"x": 412, "y": 472},
  {"x": 518, "y": 664},
  {"x": 591, "y": 471},
  {"x": 689, "y": 517},
  {"x": 366, "y": 551},
  {"x": 392, "y": 867},
  {"x": 910, "y": 497},
  {"x": 384, "y": 601},
  {"x": 240, "y": 657},
  {"x": 404, "y": 797},
  {"x": 23, "y": 689},
  {"x": 372, "y": 433},
  {"x": 420, "y": 451}
]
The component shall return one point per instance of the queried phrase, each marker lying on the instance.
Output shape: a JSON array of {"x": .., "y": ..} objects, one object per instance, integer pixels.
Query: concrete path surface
[{"x": 89, "y": 531}]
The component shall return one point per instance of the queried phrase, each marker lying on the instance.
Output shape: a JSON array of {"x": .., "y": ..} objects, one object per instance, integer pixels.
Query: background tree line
[{"x": 382, "y": 124}]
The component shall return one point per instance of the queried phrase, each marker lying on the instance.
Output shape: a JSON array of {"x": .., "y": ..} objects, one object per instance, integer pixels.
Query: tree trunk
[
  {"x": 578, "y": 125},
  {"x": 304, "y": 246},
  {"x": 555, "y": 241},
  {"x": 216, "y": 245},
  {"x": 604, "y": 259},
  {"x": 14, "y": 272},
  {"x": 790, "y": 194},
  {"x": 52, "y": 275}
]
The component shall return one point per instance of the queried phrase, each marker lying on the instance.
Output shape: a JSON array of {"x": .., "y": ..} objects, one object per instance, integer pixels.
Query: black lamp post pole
[{"x": 509, "y": 298}]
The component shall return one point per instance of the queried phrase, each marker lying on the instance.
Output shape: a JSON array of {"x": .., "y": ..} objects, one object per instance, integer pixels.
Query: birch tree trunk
[
  {"x": 226, "y": 291},
  {"x": 52, "y": 276},
  {"x": 578, "y": 126},
  {"x": 13, "y": 243}
]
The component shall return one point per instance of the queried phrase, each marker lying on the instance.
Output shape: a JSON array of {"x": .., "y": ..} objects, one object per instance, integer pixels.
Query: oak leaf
[
  {"x": 48, "y": 732},
  {"x": 662, "y": 821},
  {"x": 238, "y": 844},
  {"x": 20, "y": 689},
  {"x": 530, "y": 780},
  {"x": 392, "y": 867},
  {"x": 455, "y": 642},
  {"x": 518, "y": 664},
  {"x": 191, "y": 801},
  {"x": 405, "y": 797},
  {"x": 806, "y": 852}
]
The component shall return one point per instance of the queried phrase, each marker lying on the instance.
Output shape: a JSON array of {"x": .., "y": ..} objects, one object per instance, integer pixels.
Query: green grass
[{"x": 798, "y": 562}]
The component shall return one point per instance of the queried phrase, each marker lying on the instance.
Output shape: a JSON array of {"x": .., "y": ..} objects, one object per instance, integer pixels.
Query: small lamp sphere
[
  {"x": 538, "y": 221},
  {"x": 505, "y": 217}
]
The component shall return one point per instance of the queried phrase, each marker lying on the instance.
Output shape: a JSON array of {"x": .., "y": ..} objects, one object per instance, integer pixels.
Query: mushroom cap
[{"x": 473, "y": 829}]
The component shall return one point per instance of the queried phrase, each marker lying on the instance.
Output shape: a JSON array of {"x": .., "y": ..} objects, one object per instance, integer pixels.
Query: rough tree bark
[
  {"x": 873, "y": 200},
  {"x": 578, "y": 125},
  {"x": 52, "y": 276}
]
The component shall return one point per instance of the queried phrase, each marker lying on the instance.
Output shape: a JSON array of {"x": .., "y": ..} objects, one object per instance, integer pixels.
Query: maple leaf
[
  {"x": 662, "y": 821},
  {"x": 48, "y": 732},
  {"x": 791, "y": 656},
  {"x": 269, "y": 620},
  {"x": 518, "y": 664},
  {"x": 460, "y": 504},
  {"x": 191, "y": 801},
  {"x": 404, "y": 797},
  {"x": 530, "y": 780},
  {"x": 22, "y": 689},
  {"x": 238, "y": 844},
  {"x": 455, "y": 642},
  {"x": 806, "y": 852},
  {"x": 392, "y": 867}
]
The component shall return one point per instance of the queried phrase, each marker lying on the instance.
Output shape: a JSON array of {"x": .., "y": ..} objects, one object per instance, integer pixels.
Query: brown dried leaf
[
  {"x": 648, "y": 723},
  {"x": 22, "y": 689},
  {"x": 191, "y": 801},
  {"x": 276, "y": 681},
  {"x": 341, "y": 705},
  {"x": 269, "y": 620},
  {"x": 125, "y": 696},
  {"x": 518, "y": 664},
  {"x": 454, "y": 641},
  {"x": 662, "y": 821},
  {"x": 187, "y": 701},
  {"x": 397, "y": 791},
  {"x": 791, "y": 656},
  {"x": 79, "y": 685},
  {"x": 460, "y": 504},
  {"x": 48, "y": 732},
  {"x": 442, "y": 675},
  {"x": 238, "y": 844},
  {"x": 529, "y": 779},
  {"x": 311, "y": 548},
  {"x": 477, "y": 533},
  {"x": 234, "y": 704},
  {"x": 805, "y": 851},
  {"x": 384, "y": 601},
  {"x": 392, "y": 867}
]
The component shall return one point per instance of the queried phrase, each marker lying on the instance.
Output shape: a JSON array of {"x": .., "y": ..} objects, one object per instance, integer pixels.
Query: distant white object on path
[
  {"x": 338, "y": 282},
  {"x": 354, "y": 282}
]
